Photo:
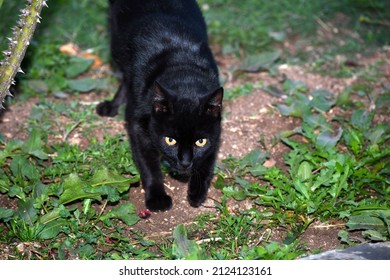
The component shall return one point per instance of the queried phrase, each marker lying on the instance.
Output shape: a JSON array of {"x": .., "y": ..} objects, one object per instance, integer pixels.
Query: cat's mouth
[{"x": 177, "y": 169}]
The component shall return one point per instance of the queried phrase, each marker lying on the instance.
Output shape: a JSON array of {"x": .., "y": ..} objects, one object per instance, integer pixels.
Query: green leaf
[
  {"x": 383, "y": 102},
  {"x": 300, "y": 187},
  {"x": 34, "y": 146},
  {"x": 365, "y": 222},
  {"x": 235, "y": 192},
  {"x": 373, "y": 235},
  {"x": 83, "y": 85},
  {"x": 304, "y": 171},
  {"x": 322, "y": 100},
  {"x": 6, "y": 213},
  {"x": 344, "y": 237},
  {"x": 183, "y": 248},
  {"x": 26, "y": 211},
  {"x": 77, "y": 65},
  {"x": 325, "y": 140},
  {"x": 104, "y": 176},
  {"x": 296, "y": 106},
  {"x": 259, "y": 62},
  {"x": 354, "y": 140},
  {"x": 254, "y": 158},
  {"x": 124, "y": 212},
  {"x": 75, "y": 189},
  {"x": 316, "y": 120},
  {"x": 85, "y": 251},
  {"x": 379, "y": 134},
  {"x": 23, "y": 169},
  {"x": 220, "y": 182},
  {"x": 361, "y": 119},
  {"x": 38, "y": 86},
  {"x": 52, "y": 215},
  {"x": 294, "y": 87},
  {"x": 52, "y": 229}
]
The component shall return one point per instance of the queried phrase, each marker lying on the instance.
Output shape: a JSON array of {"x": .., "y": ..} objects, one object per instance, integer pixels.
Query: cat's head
[{"x": 186, "y": 127}]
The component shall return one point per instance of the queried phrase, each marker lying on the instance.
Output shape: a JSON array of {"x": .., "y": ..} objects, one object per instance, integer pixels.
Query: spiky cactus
[{"x": 22, "y": 34}]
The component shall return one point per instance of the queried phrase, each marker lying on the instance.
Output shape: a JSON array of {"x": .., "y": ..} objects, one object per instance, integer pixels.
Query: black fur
[{"x": 171, "y": 90}]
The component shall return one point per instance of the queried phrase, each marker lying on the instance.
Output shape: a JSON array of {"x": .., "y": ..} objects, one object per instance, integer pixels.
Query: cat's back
[
  {"x": 126, "y": 15},
  {"x": 142, "y": 30}
]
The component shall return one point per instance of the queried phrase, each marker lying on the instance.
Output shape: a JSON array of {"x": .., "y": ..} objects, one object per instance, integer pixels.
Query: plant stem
[{"x": 21, "y": 37}]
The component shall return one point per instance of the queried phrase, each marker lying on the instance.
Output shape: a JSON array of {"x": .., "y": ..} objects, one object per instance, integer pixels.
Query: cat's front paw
[
  {"x": 161, "y": 202},
  {"x": 196, "y": 200},
  {"x": 106, "y": 109}
]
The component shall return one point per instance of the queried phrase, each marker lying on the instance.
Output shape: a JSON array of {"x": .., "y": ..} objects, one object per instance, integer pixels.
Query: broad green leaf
[
  {"x": 327, "y": 140},
  {"x": 344, "y": 237},
  {"x": 10, "y": 147},
  {"x": 183, "y": 248},
  {"x": 58, "y": 212},
  {"x": 75, "y": 189},
  {"x": 85, "y": 251},
  {"x": 26, "y": 211},
  {"x": 294, "y": 87},
  {"x": 4, "y": 182},
  {"x": 124, "y": 212},
  {"x": 296, "y": 106},
  {"x": 22, "y": 169},
  {"x": 77, "y": 65},
  {"x": 354, "y": 140},
  {"x": 52, "y": 228},
  {"x": 361, "y": 119},
  {"x": 236, "y": 193},
  {"x": 383, "y": 102},
  {"x": 38, "y": 86},
  {"x": 254, "y": 158},
  {"x": 300, "y": 187},
  {"x": 373, "y": 235},
  {"x": 111, "y": 192},
  {"x": 34, "y": 146},
  {"x": 305, "y": 172},
  {"x": 365, "y": 222},
  {"x": 316, "y": 120},
  {"x": 82, "y": 85},
  {"x": 322, "y": 100},
  {"x": 259, "y": 62},
  {"x": 111, "y": 178},
  {"x": 379, "y": 134},
  {"x": 6, "y": 213},
  {"x": 258, "y": 170},
  {"x": 219, "y": 183}
]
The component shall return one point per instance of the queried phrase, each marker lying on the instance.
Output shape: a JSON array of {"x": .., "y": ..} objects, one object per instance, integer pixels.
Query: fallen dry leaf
[{"x": 70, "y": 49}]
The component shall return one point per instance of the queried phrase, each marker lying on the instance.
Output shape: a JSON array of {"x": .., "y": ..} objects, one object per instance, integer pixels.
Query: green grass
[
  {"x": 337, "y": 167},
  {"x": 255, "y": 25}
]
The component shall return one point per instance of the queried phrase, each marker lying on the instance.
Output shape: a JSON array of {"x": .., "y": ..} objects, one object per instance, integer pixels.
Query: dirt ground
[{"x": 248, "y": 119}]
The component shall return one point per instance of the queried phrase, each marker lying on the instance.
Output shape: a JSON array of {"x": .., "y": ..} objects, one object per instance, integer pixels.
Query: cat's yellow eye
[
  {"x": 170, "y": 141},
  {"x": 201, "y": 142}
]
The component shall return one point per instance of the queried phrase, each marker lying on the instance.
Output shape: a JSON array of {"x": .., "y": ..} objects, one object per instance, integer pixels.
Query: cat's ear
[
  {"x": 214, "y": 103},
  {"x": 160, "y": 99}
]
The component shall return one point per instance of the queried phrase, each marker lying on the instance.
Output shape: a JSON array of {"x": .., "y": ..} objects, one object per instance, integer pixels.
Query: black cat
[{"x": 171, "y": 90}]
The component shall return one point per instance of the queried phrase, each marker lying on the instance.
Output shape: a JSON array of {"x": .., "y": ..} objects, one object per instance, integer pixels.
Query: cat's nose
[
  {"x": 186, "y": 164},
  {"x": 185, "y": 159}
]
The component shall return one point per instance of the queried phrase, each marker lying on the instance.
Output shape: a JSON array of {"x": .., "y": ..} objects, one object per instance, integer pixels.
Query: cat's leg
[
  {"x": 200, "y": 183},
  {"x": 110, "y": 108},
  {"x": 148, "y": 162}
]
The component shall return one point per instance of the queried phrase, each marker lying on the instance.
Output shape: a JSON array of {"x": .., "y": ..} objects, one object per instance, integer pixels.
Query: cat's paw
[
  {"x": 196, "y": 200},
  {"x": 161, "y": 202},
  {"x": 106, "y": 109}
]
